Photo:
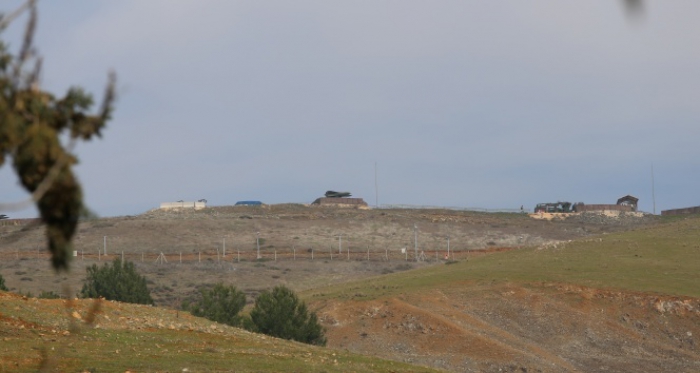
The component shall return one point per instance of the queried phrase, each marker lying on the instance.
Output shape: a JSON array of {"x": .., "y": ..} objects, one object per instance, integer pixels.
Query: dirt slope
[{"x": 510, "y": 328}]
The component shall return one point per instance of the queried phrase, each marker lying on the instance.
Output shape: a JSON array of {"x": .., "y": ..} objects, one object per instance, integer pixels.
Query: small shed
[{"x": 628, "y": 200}]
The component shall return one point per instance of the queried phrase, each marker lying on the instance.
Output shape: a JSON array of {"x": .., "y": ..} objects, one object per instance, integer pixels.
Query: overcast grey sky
[{"x": 491, "y": 104}]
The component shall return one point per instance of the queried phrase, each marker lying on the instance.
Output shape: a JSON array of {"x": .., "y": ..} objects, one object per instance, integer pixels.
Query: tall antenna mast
[
  {"x": 376, "y": 188},
  {"x": 653, "y": 194}
]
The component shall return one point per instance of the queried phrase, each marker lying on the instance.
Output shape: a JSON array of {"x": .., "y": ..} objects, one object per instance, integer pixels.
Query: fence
[
  {"x": 429, "y": 207},
  {"x": 293, "y": 254}
]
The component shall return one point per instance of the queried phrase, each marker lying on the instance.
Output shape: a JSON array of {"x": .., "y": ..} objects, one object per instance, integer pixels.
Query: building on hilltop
[
  {"x": 201, "y": 204},
  {"x": 683, "y": 211},
  {"x": 357, "y": 203},
  {"x": 628, "y": 200}
]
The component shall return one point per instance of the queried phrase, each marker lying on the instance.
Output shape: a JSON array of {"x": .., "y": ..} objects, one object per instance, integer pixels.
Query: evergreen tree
[
  {"x": 280, "y": 313},
  {"x": 219, "y": 303},
  {"x": 116, "y": 281},
  {"x": 33, "y": 123},
  {"x": 2, "y": 284}
]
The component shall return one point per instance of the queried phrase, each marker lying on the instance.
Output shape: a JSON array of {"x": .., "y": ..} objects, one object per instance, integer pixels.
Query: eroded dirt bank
[{"x": 510, "y": 328}]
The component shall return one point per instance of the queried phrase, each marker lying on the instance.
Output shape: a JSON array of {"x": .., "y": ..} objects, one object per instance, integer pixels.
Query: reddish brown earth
[{"x": 511, "y": 328}]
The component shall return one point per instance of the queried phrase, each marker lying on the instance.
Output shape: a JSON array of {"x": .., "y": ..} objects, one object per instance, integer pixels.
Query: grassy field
[
  {"x": 125, "y": 337},
  {"x": 663, "y": 259}
]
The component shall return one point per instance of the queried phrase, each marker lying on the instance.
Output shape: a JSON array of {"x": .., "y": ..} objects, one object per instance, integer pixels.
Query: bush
[
  {"x": 219, "y": 303},
  {"x": 116, "y": 281},
  {"x": 48, "y": 295},
  {"x": 2, "y": 284},
  {"x": 281, "y": 314}
]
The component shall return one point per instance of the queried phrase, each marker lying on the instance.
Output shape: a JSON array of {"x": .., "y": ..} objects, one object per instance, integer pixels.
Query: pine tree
[
  {"x": 116, "y": 281},
  {"x": 280, "y": 313},
  {"x": 32, "y": 124},
  {"x": 219, "y": 303}
]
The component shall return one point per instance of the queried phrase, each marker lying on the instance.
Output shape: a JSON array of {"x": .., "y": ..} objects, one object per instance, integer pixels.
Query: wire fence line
[
  {"x": 454, "y": 208},
  {"x": 233, "y": 256}
]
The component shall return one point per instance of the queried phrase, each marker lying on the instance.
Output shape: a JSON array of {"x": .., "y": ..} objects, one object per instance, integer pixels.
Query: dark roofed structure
[
  {"x": 628, "y": 200},
  {"x": 357, "y": 203}
]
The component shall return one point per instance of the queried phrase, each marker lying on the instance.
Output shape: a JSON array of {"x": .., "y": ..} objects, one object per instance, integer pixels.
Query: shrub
[
  {"x": 219, "y": 303},
  {"x": 116, "y": 281},
  {"x": 281, "y": 314},
  {"x": 2, "y": 284},
  {"x": 48, "y": 295}
]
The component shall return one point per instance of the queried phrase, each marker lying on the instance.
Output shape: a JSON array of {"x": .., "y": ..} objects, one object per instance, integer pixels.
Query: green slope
[
  {"x": 133, "y": 338},
  {"x": 662, "y": 259}
]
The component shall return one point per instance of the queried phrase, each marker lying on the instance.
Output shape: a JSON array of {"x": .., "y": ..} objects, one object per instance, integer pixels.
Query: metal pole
[
  {"x": 105, "y": 244},
  {"x": 239, "y": 255},
  {"x": 340, "y": 244},
  {"x": 294, "y": 250},
  {"x": 448, "y": 247},
  {"x": 257, "y": 242},
  {"x": 415, "y": 242},
  {"x": 376, "y": 187},
  {"x": 122, "y": 257},
  {"x": 224, "y": 248},
  {"x": 180, "y": 257}
]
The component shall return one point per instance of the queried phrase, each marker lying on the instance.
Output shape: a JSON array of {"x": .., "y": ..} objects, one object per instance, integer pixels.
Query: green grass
[
  {"x": 33, "y": 332},
  {"x": 662, "y": 259}
]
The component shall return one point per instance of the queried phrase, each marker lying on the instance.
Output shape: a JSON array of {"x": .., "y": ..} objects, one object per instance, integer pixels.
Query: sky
[{"x": 478, "y": 104}]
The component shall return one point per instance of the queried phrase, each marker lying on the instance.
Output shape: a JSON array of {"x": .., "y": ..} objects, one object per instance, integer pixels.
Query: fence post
[
  {"x": 275, "y": 254},
  {"x": 199, "y": 257},
  {"x": 180, "y": 257},
  {"x": 99, "y": 256},
  {"x": 331, "y": 251},
  {"x": 368, "y": 253},
  {"x": 386, "y": 254},
  {"x": 312, "y": 254},
  {"x": 239, "y": 255},
  {"x": 294, "y": 252}
]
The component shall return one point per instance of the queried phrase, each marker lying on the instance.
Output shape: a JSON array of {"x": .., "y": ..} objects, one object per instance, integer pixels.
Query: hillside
[
  {"x": 85, "y": 336},
  {"x": 586, "y": 294},
  {"x": 624, "y": 302}
]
